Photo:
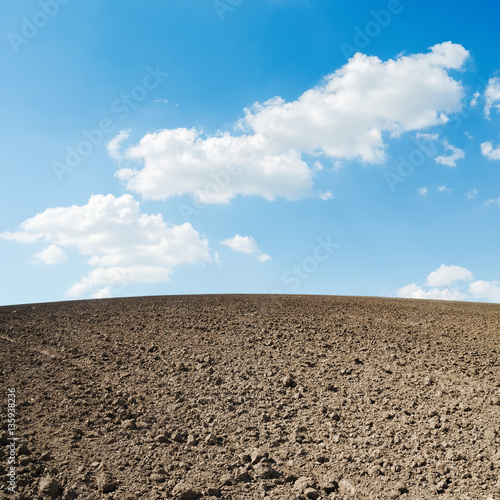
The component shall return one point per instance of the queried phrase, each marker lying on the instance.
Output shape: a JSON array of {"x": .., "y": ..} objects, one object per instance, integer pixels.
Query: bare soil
[{"x": 252, "y": 396}]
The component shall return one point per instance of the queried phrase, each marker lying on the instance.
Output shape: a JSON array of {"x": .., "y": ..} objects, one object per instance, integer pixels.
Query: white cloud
[
  {"x": 451, "y": 160},
  {"x": 492, "y": 96},
  {"x": 492, "y": 202},
  {"x": 103, "y": 293},
  {"x": 51, "y": 255},
  {"x": 444, "y": 189},
  {"x": 414, "y": 291},
  {"x": 442, "y": 284},
  {"x": 487, "y": 290},
  {"x": 447, "y": 275},
  {"x": 428, "y": 137},
  {"x": 121, "y": 244},
  {"x": 114, "y": 145},
  {"x": 489, "y": 151},
  {"x": 348, "y": 116},
  {"x": 423, "y": 191},
  {"x": 471, "y": 194},
  {"x": 426, "y": 141},
  {"x": 475, "y": 98},
  {"x": 263, "y": 257},
  {"x": 326, "y": 195},
  {"x": 119, "y": 277},
  {"x": 19, "y": 236},
  {"x": 245, "y": 244}
]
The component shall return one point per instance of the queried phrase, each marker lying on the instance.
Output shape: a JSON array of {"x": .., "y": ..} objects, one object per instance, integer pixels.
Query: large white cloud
[
  {"x": 245, "y": 244},
  {"x": 121, "y": 244},
  {"x": 492, "y": 96},
  {"x": 452, "y": 283},
  {"x": 348, "y": 116}
]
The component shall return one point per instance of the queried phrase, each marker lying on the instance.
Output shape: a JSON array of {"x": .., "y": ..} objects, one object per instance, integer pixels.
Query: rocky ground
[{"x": 243, "y": 397}]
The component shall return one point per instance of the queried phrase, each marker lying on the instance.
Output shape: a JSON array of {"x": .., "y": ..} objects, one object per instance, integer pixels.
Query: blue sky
[{"x": 166, "y": 147}]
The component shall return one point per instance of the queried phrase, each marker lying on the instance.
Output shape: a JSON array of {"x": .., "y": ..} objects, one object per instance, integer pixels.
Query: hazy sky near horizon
[{"x": 237, "y": 146}]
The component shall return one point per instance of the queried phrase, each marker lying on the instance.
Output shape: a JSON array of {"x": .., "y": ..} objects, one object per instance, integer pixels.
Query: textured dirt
[{"x": 242, "y": 397}]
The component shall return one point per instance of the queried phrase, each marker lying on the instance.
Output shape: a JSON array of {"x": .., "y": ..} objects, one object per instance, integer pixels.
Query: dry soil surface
[{"x": 252, "y": 396}]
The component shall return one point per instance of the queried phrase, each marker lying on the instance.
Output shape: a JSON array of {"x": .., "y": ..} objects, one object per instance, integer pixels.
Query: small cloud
[
  {"x": 473, "y": 101},
  {"x": 493, "y": 202},
  {"x": 444, "y": 189},
  {"x": 471, "y": 194},
  {"x": 423, "y": 191},
  {"x": 51, "y": 255},
  {"x": 426, "y": 140},
  {"x": 489, "y": 151},
  {"x": 114, "y": 145},
  {"x": 245, "y": 244},
  {"x": 163, "y": 101},
  {"x": 451, "y": 160},
  {"x": 264, "y": 257},
  {"x": 428, "y": 137},
  {"x": 467, "y": 134},
  {"x": 492, "y": 96},
  {"x": 317, "y": 165},
  {"x": 327, "y": 195}
]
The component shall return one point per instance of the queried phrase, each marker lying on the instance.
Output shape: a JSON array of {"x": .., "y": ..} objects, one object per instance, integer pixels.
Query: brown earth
[{"x": 253, "y": 396}]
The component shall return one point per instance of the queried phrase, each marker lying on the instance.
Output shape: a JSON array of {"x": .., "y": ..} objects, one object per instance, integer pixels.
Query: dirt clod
[{"x": 49, "y": 487}]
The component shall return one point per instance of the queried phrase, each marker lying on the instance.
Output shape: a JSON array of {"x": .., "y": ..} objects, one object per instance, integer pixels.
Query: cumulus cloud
[
  {"x": 245, "y": 244},
  {"x": 493, "y": 201},
  {"x": 347, "y": 116},
  {"x": 487, "y": 290},
  {"x": 489, "y": 151},
  {"x": 492, "y": 96},
  {"x": 452, "y": 283},
  {"x": 451, "y": 159},
  {"x": 122, "y": 245},
  {"x": 423, "y": 191},
  {"x": 51, "y": 255},
  {"x": 447, "y": 275},
  {"x": 444, "y": 189}
]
